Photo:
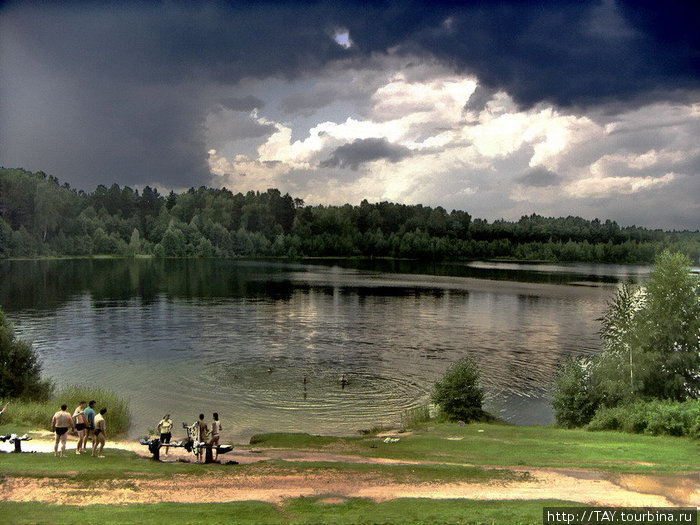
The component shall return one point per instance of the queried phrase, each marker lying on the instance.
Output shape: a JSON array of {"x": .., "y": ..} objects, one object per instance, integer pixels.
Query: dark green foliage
[
  {"x": 40, "y": 217},
  {"x": 458, "y": 393},
  {"x": 20, "y": 372},
  {"x": 670, "y": 330},
  {"x": 657, "y": 417},
  {"x": 652, "y": 352},
  {"x": 575, "y": 401}
]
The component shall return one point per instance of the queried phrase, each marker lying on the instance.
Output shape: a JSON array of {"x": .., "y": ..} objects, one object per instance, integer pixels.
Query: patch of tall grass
[
  {"x": 412, "y": 417},
  {"x": 38, "y": 414}
]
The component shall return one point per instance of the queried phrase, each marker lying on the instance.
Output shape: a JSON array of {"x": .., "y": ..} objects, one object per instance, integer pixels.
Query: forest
[{"x": 39, "y": 216}]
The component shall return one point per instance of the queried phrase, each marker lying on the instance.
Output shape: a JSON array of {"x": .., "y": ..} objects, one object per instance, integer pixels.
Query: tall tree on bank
[{"x": 651, "y": 338}]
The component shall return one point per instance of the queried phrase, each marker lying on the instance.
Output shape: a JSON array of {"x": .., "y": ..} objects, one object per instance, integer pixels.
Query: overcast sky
[{"x": 497, "y": 108}]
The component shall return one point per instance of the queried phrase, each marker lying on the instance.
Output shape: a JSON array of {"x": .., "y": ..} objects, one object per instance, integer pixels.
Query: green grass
[
  {"x": 120, "y": 464},
  {"x": 400, "y": 473},
  {"x": 465, "y": 450},
  {"x": 297, "y": 511},
  {"x": 509, "y": 445},
  {"x": 37, "y": 414}
]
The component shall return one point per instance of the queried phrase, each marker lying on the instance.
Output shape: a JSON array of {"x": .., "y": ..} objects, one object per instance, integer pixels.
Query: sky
[{"x": 501, "y": 109}]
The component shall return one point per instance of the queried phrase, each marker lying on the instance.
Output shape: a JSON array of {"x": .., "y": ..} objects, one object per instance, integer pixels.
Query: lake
[{"x": 239, "y": 337}]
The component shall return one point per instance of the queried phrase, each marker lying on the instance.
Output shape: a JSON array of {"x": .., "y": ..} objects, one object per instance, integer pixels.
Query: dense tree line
[{"x": 39, "y": 216}]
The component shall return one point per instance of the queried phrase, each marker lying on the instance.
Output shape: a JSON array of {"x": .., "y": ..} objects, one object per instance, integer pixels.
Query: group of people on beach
[
  {"x": 165, "y": 427},
  {"x": 88, "y": 424}
]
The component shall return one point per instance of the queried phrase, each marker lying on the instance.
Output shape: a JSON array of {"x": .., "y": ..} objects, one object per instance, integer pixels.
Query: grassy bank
[
  {"x": 510, "y": 445},
  {"x": 451, "y": 453},
  {"x": 121, "y": 465},
  {"x": 21, "y": 415}
]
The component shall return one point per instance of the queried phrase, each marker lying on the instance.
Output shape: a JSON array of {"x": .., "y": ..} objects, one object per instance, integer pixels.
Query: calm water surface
[{"x": 239, "y": 337}]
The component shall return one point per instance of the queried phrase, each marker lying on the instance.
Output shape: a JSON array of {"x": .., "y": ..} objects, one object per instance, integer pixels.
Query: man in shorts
[
  {"x": 90, "y": 424},
  {"x": 100, "y": 433},
  {"x": 80, "y": 426},
  {"x": 60, "y": 424},
  {"x": 202, "y": 431},
  {"x": 165, "y": 427},
  {"x": 215, "y": 435}
]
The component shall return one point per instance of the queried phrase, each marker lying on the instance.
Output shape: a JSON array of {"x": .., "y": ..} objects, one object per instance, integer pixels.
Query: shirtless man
[
  {"x": 60, "y": 424},
  {"x": 203, "y": 430},
  {"x": 215, "y": 431},
  {"x": 100, "y": 433},
  {"x": 81, "y": 426}
]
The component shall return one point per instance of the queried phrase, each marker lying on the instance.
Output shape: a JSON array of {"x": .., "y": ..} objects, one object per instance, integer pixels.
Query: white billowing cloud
[
  {"x": 607, "y": 164},
  {"x": 416, "y": 115},
  {"x": 481, "y": 160},
  {"x": 605, "y": 186},
  {"x": 502, "y": 130},
  {"x": 437, "y": 100},
  {"x": 242, "y": 173}
]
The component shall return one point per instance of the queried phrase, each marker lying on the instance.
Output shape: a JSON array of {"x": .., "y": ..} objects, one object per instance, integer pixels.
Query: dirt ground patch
[{"x": 233, "y": 484}]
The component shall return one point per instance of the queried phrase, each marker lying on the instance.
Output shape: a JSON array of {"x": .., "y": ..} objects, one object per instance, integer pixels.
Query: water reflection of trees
[{"x": 46, "y": 284}]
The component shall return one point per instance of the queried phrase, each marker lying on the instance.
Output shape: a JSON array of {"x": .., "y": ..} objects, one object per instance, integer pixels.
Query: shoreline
[{"x": 287, "y": 473}]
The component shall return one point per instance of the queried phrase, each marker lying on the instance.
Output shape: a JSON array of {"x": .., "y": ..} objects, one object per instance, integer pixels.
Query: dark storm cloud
[
  {"x": 573, "y": 53},
  {"x": 247, "y": 103},
  {"x": 539, "y": 177},
  {"x": 119, "y": 91},
  {"x": 104, "y": 92},
  {"x": 365, "y": 150}
]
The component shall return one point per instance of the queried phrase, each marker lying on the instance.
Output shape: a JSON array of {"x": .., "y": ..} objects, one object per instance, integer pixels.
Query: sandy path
[{"x": 232, "y": 484}]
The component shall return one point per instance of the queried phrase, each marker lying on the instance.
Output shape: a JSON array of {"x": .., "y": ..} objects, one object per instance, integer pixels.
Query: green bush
[
  {"x": 458, "y": 393},
  {"x": 574, "y": 400},
  {"x": 658, "y": 417},
  {"x": 38, "y": 414},
  {"x": 20, "y": 369}
]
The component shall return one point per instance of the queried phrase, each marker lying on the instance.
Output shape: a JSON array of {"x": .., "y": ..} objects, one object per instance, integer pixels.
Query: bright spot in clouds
[{"x": 342, "y": 38}]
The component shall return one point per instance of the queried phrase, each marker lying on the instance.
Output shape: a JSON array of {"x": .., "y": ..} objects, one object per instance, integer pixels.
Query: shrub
[
  {"x": 624, "y": 418},
  {"x": 656, "y": 417},
  {"x": 574, "y": 401},
  {"x": 20, "y": 369},
  {"x": 458, "y": 393}
]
